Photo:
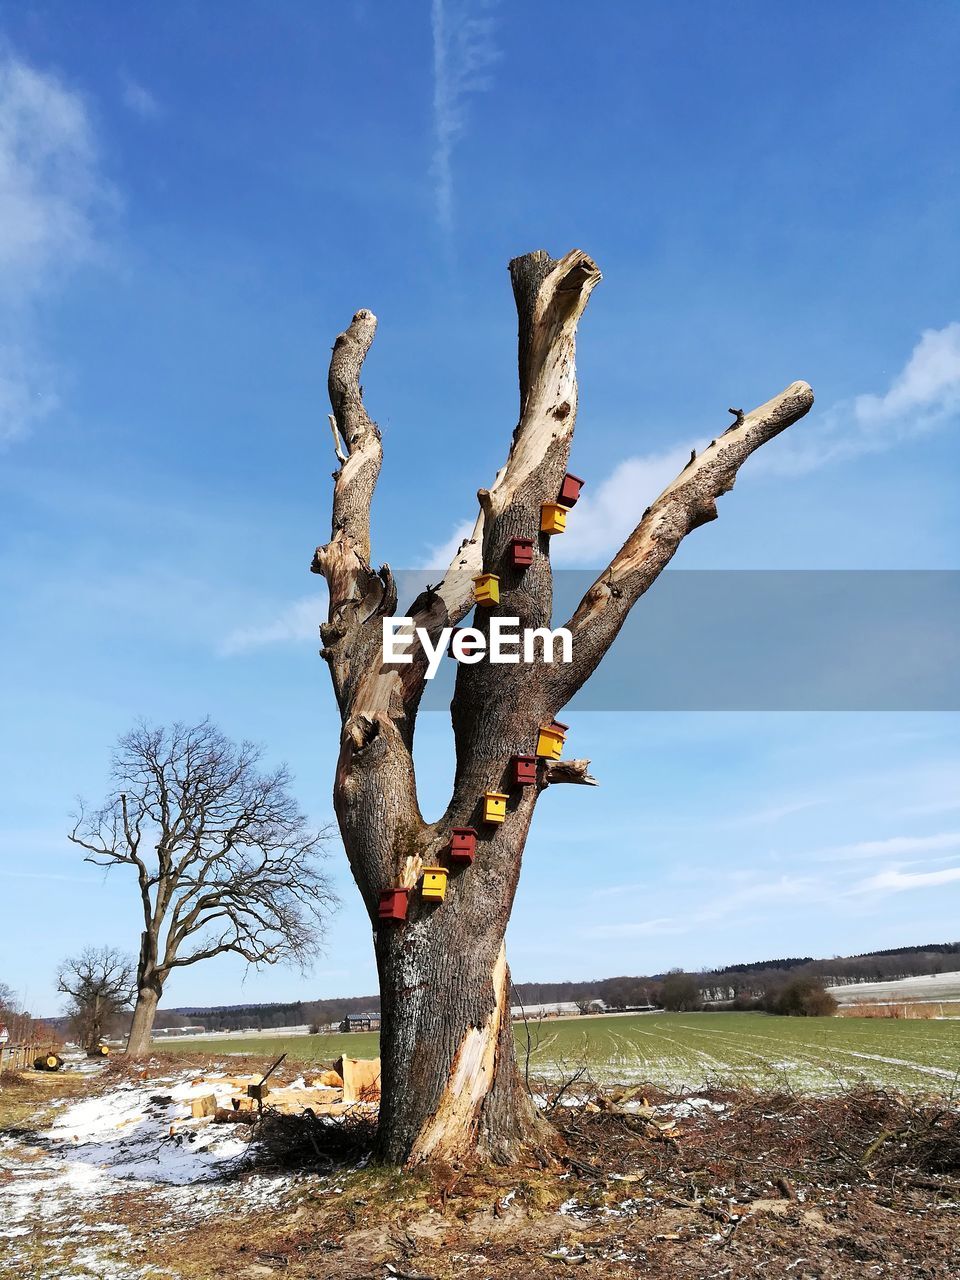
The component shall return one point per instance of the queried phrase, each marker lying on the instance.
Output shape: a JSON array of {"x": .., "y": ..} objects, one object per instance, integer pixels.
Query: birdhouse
[
  {"x": 494, "y": 806},
  {"x": 463, "y": 844},
  {"x": 523, "y": 771},
  {"x": 393, "y": 904},
  {"x": 570, "y": 490},
  {"x": 553, "y": 517},
  {"x": 550, "y": 740},
  {"x": 434, "y": 883},
  {"x": 521, "y": 552},
  {"x": 486, "y": 589}
]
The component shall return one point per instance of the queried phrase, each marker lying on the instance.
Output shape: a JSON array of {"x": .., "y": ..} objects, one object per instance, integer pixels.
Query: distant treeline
[
  {"x": 265, "y": 1017},
  {"x": 733, "y": 982}
]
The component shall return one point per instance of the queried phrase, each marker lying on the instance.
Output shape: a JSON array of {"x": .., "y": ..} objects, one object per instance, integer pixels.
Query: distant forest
[{"x": 735, "y": 980}]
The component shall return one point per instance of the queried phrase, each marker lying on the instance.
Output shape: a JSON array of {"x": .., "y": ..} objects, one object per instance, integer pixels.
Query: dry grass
[
  {"x": 867, "y": 1183},
  {"x": 24, "y": 1094},
  {"x": 907, "y": 1009}
]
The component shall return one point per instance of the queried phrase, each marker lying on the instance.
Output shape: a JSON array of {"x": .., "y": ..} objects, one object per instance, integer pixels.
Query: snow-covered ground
[
  {"x": 134, "y": 1140},
  {"x": 271, "y": 1033},
  {"x": 928, "y": 986}
]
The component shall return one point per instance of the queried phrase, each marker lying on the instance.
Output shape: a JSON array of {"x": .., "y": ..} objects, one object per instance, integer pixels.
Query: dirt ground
[{"x": 721, "y": 1185}]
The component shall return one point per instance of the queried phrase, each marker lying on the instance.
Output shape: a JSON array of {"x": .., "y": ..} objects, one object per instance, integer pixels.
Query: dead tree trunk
[{"x": 450, "y": 1084}]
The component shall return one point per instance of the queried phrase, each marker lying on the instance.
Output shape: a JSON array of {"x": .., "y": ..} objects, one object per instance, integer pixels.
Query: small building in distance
[{"x": 361, "y": 1022}]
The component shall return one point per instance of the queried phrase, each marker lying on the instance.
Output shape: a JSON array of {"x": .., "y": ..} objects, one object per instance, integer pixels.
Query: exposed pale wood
[
  {"x": 337, "y": 444},
  {"x": 447, "y": 1133},
  {"x": 568, "y": 771}
]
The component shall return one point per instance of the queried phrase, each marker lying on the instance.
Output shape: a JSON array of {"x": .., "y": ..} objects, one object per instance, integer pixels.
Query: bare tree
[
  {"x": 21, "y": 1026},
  {"x": 100, "y": 983},
  {"x": 224, "y": 860},
  {"x": 449, "y": 1074}
]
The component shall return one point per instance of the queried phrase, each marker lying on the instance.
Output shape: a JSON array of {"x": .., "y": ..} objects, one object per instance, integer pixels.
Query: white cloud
[
  {"x": 463, "y": 52},
  {"x": 638, "y": 928},
  {"x": 922, "y": 397},
  {"x": 296, "y": 624},
  {"x": 894, "y": 847},
  {"x": 139, "y": 99},
  {"x": 604, "y": 518},
  {"x": 26, "y": 395},
  {"x": 785, "y": 888},
  {"x": 49, "y": 185},
  {"x": 928, "y": 383},
  {"x": 51, "y": 192},
  {"x": 439, "y": 556},
  {"x": 897, "y": 881}
]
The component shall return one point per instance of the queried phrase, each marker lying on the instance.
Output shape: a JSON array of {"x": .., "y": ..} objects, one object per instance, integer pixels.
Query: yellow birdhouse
[
  {"x": 435, "y": 883},
  {"x": 486, "y": 588},
  {"x": 553, "y": 517},
  {"x": 494, "y": 806},
  {"x": 550, "y": 740}
]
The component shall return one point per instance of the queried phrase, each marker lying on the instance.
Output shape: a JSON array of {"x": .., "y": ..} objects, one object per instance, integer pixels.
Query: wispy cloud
[
  {"x": 438, "y": 556},
  {"x": 893, "y": 847},
  {"x": 138, "y": 99},
  {"x": 638, "y": 928},
  {"x": 463, "y": 53},
  {"x": 51, "y": 194},
  {"x": 606, "y": 516},
  {"x": 897, "y": 881},
  {"x": 783, "y": 889},
  {"x": 923, "y": 396},
  {"x": 296, "y": 624}
]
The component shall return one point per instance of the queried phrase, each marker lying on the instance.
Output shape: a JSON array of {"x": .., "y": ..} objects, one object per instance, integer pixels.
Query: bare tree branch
[
  {"x": 687, "y": 502},
  {"x": 575, "y": 771}
]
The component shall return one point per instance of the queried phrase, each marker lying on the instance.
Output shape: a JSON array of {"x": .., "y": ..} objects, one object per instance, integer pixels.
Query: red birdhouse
[
  {"x": 570, "y": 490},
  {"x": 467, "y": 647},
  {"x": 521, "y": 552},
  {"x": 393, "y": 904},
  {"x": 523, "y": 771},
  {"x": 463, "y": 844}
]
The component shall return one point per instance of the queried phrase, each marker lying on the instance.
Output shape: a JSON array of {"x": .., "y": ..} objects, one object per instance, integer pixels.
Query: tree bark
[
  {"x": 150, "y": 981},
  {"x": 144, "y": 1015},
  {"x": 450, "y": 1089}
]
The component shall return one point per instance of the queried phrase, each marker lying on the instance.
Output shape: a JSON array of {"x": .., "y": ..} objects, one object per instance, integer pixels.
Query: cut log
[
  {"x": 227, "y": 1115},
  {"x": 361, "y": 1079},
  {"x": 201, "y": 1108}
]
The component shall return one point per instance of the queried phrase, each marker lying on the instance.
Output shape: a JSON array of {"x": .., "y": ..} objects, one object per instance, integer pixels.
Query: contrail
[{"x": 463, "y": 51}]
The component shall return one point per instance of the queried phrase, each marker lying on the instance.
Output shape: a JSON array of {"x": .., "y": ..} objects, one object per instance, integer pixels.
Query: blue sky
[{"x": 194, "y": 199}]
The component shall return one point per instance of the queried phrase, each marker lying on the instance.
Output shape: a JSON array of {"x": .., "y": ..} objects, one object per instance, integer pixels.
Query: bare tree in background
[
  {"x": 223, "y": 858},
  {"x": 21, "y": 1026},
  {"x": 100, "y": 983},
  {"x": 450, "y": 1084}
]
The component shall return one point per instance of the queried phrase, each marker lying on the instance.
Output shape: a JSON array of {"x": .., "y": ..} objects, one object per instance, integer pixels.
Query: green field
[{"x": 678, "y": 1050}]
